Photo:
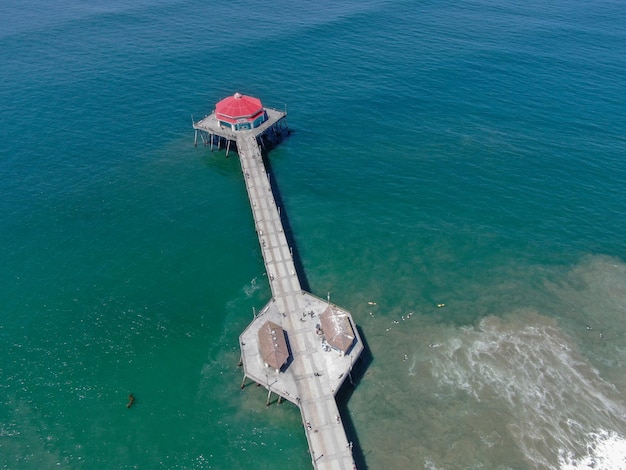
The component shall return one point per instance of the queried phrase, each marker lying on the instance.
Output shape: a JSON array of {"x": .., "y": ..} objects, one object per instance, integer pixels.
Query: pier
[{"x": 299, "y": 347}]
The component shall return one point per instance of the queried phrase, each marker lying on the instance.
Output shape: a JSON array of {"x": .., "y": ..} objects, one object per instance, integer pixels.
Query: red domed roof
[{"x": 238, "y": 107}]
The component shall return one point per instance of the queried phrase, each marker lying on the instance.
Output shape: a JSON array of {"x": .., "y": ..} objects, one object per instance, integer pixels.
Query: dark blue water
[{"x": 466, "y": 154}]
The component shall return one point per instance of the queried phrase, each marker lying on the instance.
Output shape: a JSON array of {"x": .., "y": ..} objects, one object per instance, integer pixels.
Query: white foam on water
[
  {"x": 251, "y": 288},
  {"x": 606, "y": 450},
  {"x": 526, "y": 365},
  {"x": 413, "y": 364}
]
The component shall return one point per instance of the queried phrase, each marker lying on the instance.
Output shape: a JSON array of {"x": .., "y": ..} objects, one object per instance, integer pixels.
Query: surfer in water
[{"x": 131, "y": 400}]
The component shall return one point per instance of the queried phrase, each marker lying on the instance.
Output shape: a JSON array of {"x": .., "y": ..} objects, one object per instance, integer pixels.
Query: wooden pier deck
[{"x": 315, "y": 370}]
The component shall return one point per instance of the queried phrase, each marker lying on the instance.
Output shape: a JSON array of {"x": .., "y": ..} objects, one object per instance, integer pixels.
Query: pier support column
[
  {"x": 243, "y": 382},
  {"x": 269, "y": 394}
]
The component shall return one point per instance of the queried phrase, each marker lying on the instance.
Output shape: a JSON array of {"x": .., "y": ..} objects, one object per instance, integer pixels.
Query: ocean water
[{"x": 460, "y": 164}]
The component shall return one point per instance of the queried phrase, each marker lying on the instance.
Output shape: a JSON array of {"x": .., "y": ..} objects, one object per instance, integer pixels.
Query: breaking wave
[
  {"x": 605, "y": 451},
  {"x": 553, "y": 397}
]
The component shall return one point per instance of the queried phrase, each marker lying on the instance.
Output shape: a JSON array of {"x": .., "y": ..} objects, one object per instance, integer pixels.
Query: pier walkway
[{"x": 322, "y": 341}]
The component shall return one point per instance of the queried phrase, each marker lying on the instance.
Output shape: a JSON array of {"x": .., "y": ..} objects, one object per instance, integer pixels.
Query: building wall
[{"x": 242, "y": 126}]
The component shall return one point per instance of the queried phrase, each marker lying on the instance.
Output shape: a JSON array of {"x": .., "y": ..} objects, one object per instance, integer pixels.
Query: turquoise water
[{"x": 469, "y": 154}]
